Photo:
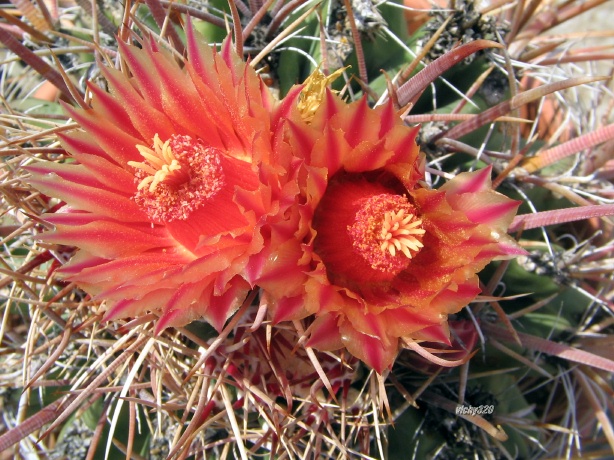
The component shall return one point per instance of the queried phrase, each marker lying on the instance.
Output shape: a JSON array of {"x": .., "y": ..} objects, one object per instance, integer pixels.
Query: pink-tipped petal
[
  {"x": 66, "y": 172},
  {"x": 325, "y": 334},
  {"x": 221, "y": 307},
  {"x": 116, "y": 143},
  {"x": 81, "y": 142},
  {"x": 111, "y": 175},
  {"x": 498, "y": 211},
  {"x": 111, "y": 108},
  {"x": 371, "y": 350},
  {"x": 287, "y": 309},
  {"x": 404, "y": 321},
  {"x": 90, "y": 198},
  {"x": 146, "y": 124},
  {"x": 469, "y": 182},
  {"x": 437, "y": 333},
  {"x": 110, "y": 239},
  {"x": 139, "y": 62}
]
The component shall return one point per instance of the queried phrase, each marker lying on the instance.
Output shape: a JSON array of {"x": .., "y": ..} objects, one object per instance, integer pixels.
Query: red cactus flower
[
  {"x": 379, "y": 256},
  {"x": 177, "y": 169}
]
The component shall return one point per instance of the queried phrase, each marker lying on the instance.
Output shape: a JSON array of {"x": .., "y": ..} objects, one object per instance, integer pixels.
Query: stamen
[
  {"x": 162, "y": 165},
  {"x": 397, "y": 233}
]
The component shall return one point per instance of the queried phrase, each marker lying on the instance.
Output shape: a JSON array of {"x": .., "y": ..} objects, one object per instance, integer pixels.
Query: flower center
[
  {"x": 386, "y": 232},
  {"x": 176, "y": 177}
]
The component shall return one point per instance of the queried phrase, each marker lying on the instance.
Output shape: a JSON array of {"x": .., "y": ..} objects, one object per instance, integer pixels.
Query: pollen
[
  {"x": 176, "y": 177},
  {"x": 387, "y": 232}
]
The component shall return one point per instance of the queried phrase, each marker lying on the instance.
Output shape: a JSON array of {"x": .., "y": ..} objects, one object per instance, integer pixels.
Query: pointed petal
[
  {"x": 127, "y": 308},
  {"x": 367, "y": 157},
  {"x": 90, "y": 198},
  {"x": 469, "y": 182},
  {"x": 450, "y": 301},
  {"x": 126, "y": 269},
  {"x": 94, "y": 171},
  {"x": 281, "y": 275},
  {"x": 110, "y": 108},
  {"x": 437, "y": 333},
  {"x": 498, "y": 212},
  {"x": 287, "y": 309},
  {"x": 140, "y": 64},
  {"x": 404, "y": 321},
  {"x": 80, "y": 261},
  {"x": 109, "y": 240},
  {"x": 222, "y": 307},
  {"x": 369, "y": 349},
  {"x": 325, "y": 334},
  {"x": 112, "y": 176},
  {"x": 77, "y": 174},
  {"x": 114, "y": 141},
  {"x": 144, "y": 119},
  {"x": 77, "y": 142},
  {"x": 491, "y": 208},
  {"x": 180, "y": 101}
]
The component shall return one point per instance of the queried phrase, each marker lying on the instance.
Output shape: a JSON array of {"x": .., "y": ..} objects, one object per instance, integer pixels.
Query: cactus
[{"x": 516, "y": 365}]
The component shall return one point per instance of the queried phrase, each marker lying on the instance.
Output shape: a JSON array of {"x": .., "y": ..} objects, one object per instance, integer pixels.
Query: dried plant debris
[
  {"x": 465, "y": 24},
  {"x": 365, "y": 19}
]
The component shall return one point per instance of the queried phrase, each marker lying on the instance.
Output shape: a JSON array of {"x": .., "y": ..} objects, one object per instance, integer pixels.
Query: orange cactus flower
[
  {"x": 177, "y": 169},
  {"x": 379, "y": 256}
]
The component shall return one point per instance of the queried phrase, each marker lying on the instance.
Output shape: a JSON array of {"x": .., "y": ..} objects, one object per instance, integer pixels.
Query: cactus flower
[
  {"x": 379, "y": 256},
  {"x": 174, "y": 172}
]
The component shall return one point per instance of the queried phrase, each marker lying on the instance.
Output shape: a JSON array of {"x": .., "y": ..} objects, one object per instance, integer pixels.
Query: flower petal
[
  {"x": 371, "y": 350},
  {"x": 489, "y": 208},
  {"x": 109, "y": 273},
  {"x": 92, "y": 197},
  {"x": 108, "y": 239},
  {"x": 469, "y": 182},
  {"x": 144, "y": 119},
  {"x": 325, "y": 334}
]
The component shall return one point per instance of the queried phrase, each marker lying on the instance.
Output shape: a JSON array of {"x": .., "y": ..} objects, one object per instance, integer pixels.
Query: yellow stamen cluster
[
  {"x": 313, "y": 92},
  {"x": 398, "y": 230},
  {"x": 161, "y": 165}
]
